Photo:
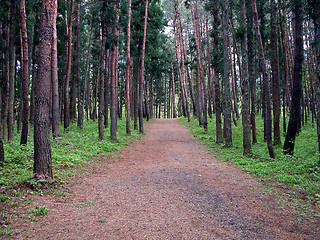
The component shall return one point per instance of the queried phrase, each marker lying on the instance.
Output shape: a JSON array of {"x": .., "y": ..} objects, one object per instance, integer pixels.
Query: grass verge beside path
[
  {"x": 72, "y": 154},
  {"x": 295, "y": 177}
]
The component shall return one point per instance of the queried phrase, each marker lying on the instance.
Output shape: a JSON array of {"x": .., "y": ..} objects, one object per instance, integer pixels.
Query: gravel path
[{"x": 165, "y": 186}]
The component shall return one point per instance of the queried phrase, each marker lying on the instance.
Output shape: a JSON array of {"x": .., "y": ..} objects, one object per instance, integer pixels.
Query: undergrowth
[
  {"x": 72, "y": 154},
  {"x": 297, "y": 176},
  {"x": 75, "y": 148}
]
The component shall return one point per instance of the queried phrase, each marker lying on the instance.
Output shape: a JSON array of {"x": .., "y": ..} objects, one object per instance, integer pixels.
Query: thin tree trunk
[
  {"x": 265, "y": 80},
  {"x": 128, "y": 89},
  {"x": 208, "y": 68},
  {"x": 142, "y": 69},
  {"x": 55, "y": 84},
  {"x": 181, "y": 55},
  {"x": 226, "y": 72},
  {"x": 113, "y": 82},
  {"x": 101, "y": 79},
  {"x": 6, "y": 85},
  {"x": 316, "y": 19},
  {"x": 12, "y": 72},
  {"x": 200, "y": 107},
  {"x": 216, "y": 24},
  {"x": 80, "y": 105},
  {"x": 25, "y": 74},
  {"x": 245, "y": 83},
  {"x": 68, "y": 68},
  {"x": 288, "y": 147},
  {"x": 275, "y": 75},
  {"x": 234, "y": 85},
  {"x": 42, "y": 149},
  {"x": 174, "y": 113}
]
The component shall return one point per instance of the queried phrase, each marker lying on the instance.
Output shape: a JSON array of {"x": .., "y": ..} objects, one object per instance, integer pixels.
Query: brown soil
[{"x": 165, "y": 186}]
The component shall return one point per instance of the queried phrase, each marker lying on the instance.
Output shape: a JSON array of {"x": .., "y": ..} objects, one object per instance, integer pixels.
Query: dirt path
[{"x": 166, "y": 186}]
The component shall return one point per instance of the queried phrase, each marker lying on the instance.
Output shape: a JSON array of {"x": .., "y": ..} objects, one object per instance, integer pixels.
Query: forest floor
[{"x": 164, "y": 186}]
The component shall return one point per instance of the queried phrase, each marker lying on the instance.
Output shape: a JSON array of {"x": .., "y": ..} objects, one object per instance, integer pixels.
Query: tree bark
[
  {"x": 42, "y": 149},
  {"x": 142, "y": 69},
  {"x": 80, "y": 103},
  {"x": 128, "y": 89},
  {"x": 288, "y": 147},
  {"x": 25, "y": 74},
  {"x": 181, "y": 55},
  {"x": 216, "y": 24},
  {"x": 316, "y": 19},
  {"x": 68, "y": 68},
  {"x": 55, "y": 83},
  {"x": 226, "y": 74},
  {"x": 174, "y": 113},
  {"x": 101, "y": 79},
  {"x": 251, "y": 71},
  {"x": 12, "y": 71},
  {"x": 245, "y": 83},
  {"x": 113, "y": 82},
  {"x": 275, "y": 75},
  {"x": 5, "y": 85},
  {"x": 265, "y": 80}
]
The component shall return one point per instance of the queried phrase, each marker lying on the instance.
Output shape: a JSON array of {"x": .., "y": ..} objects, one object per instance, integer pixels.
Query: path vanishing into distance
[{"x": 165, "y": 186}]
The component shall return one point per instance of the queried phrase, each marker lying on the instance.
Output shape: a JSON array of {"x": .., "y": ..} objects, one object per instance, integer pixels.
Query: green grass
[
  {"x": 299, "y": 173},
  {"x": 76, "y": 148}
]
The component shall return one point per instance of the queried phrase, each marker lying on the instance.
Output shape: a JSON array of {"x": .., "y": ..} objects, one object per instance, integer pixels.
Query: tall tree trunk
[
  {"x": 288, "y": 147},
  {"x": 200, "y": 113},
  {"x": 234, "y": 103},
  {"x": 216, "y": 24},
  {"x": 174, "y": 113},
  {"x": 68, "y": 68},
  {"x": 245, "y": 83},
  {"x": 142, "y": 69},
  {"x": 42, "y": 149},
  {"x": 265, "y": 80},
  {"x": 1, "y": 141},
  {"x": 80, "y": 104},
  {"x": 12, "y": 72},
  {"x": 275, "y": 75},
  {"x": 113, "y": 82},
  {"x": 251, "y": 71},
  {"x": 226, "y": 74},
  {"x": 208, "y": 68},
  {"x": 181, "y": 55},
  {"x": 128, "y": 89},
  {"x": 101, "y": 79},
  {"x": 25, "y": 74},
  {"x": 55, "y": 83},
  {"x": 316, "y": 19},
  {"x": 5, "y": 86},
  {"x": 87, "y": 90}
]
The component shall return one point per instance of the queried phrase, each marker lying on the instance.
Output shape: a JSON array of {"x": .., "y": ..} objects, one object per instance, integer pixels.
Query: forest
[{"x": 70, "y": 64}]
